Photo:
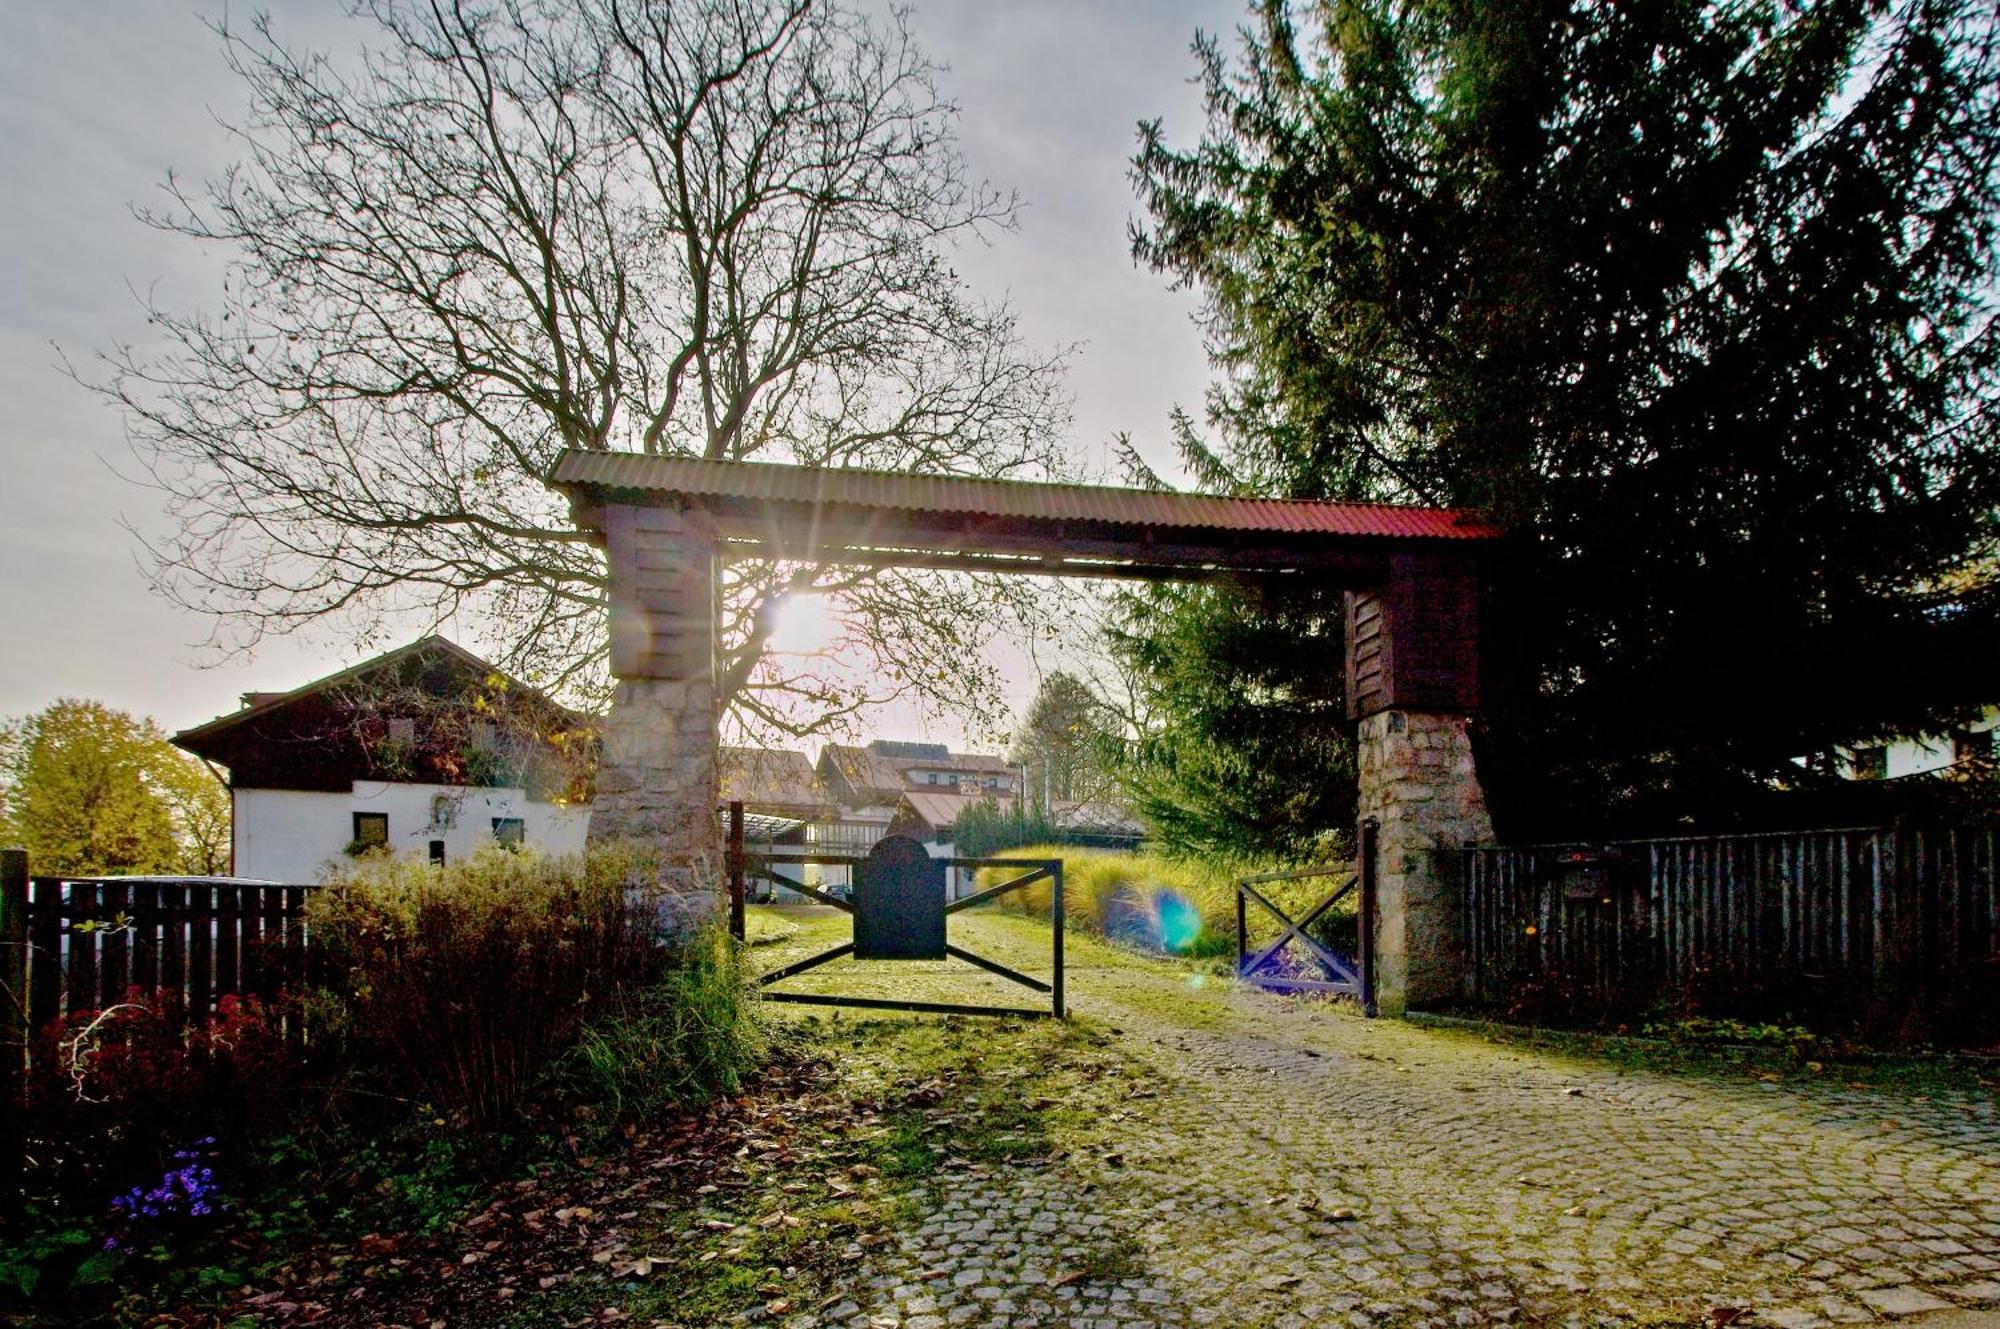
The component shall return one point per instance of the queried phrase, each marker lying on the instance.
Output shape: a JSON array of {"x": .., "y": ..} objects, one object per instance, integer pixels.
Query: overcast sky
[{"x": 99, "y": 101}]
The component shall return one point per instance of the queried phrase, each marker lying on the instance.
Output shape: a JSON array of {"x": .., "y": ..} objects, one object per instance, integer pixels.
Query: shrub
[
  {"x": 679, "y": 1040},
  {"x": 1180, "y": 906},
  {"x": 463, "y": 982},
  {"x": 117, "y": 1091}
]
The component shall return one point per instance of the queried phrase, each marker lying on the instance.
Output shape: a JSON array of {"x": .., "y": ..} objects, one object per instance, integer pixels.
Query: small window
[
  {"x": 402, "y": 729},
  {"x": 483, "y": 734},
  {"x": 371, "y": 831},
  {"x": 1871, "y": 763},
  {"x": 510, "y": 831},
  {"x": 437, "y": 852}
]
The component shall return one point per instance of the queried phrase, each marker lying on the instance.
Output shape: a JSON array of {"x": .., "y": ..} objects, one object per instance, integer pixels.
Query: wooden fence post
[{"x": 13, "y": 1029}]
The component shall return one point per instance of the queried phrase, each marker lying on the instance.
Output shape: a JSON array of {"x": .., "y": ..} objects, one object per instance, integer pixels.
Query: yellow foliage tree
[{"x": 93, "y": 791}]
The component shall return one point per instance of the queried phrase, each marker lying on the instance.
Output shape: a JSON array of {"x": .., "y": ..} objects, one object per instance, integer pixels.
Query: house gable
[{"x": 427, "y": 713}]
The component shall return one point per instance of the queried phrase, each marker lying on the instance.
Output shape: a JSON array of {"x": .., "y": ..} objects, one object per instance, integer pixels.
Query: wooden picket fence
[
  {"x": 1895, "y": 926},
  {"x": 75, "y": 944}
]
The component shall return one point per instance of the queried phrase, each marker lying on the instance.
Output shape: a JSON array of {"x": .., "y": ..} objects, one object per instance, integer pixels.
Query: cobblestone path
[{"x": 1287, "y": 1165}]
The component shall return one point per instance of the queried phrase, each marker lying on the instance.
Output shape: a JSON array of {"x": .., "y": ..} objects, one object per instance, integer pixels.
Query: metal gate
[
  {"x": 900, "y": 911},
  {"x": 1340, "y": 976}
]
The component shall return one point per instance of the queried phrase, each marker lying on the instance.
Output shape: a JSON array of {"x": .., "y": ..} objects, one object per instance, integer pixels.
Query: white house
[
  {"x": 427, "y": 749},
  {"x": 296, "y": 834},
  {"x": 1921, "y": 754}
]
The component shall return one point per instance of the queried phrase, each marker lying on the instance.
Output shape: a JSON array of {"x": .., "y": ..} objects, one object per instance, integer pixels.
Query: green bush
[
  {"x": 679, "y": 1040},
  {"x": 462, "y": 983},
  {"x": 1180, "y": 906}
]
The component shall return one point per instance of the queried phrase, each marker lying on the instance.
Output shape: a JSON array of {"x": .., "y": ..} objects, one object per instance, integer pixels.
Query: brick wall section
[
  {"x": 657, "y": 780},
  {"x": 1419, "y": 783}
]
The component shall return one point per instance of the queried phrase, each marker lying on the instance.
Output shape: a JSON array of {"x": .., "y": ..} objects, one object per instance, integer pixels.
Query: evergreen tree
[
  {"x": 1251, "y": 756},
  {"x": 1697, "y": 297}
]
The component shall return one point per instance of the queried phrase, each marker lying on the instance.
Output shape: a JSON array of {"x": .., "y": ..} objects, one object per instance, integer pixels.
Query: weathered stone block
[{"x": 1420, "y": 784}]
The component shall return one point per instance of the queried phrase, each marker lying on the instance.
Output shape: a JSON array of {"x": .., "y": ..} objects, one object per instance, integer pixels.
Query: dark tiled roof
[
  {"x": 765, "y": 481},
  {"x": 259, "y": 704}
]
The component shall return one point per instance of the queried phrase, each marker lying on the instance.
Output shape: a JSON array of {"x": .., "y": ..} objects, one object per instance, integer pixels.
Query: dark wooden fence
[
  {"x": 74, "y": 944},
  {"x": 1893, "y": 926}
]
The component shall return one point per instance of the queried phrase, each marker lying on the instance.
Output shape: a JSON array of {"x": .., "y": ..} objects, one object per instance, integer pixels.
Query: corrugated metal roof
[{"x": 770, "y": 482}]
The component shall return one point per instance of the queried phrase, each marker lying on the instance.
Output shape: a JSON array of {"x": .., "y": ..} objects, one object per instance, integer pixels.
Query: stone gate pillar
[
  {"x": 656, "y": 779},
  {"x": 1413, "y": 687}
]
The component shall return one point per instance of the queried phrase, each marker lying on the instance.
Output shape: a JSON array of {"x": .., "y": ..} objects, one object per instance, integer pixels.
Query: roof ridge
[{"x": 1083, "y": 485}]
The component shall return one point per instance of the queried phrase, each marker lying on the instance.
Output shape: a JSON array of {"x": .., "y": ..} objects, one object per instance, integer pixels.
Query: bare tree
[{"x": 715, "y": 227}]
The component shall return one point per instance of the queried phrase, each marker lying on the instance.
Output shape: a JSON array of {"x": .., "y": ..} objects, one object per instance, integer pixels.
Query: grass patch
[{"x": 1111, "y": 1262}]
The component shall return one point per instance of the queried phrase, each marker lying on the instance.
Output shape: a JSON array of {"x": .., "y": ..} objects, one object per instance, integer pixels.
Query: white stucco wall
[
  {"x": 1914, "y": 755},
  {"x": 289, "y": 835}
]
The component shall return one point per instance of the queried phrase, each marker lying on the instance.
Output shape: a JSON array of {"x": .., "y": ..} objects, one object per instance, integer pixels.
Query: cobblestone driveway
[{"x": 1287, "y": 1166}]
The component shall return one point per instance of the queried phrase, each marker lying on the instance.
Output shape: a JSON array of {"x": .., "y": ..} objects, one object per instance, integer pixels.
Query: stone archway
[{"x": 1410, "y": 575}]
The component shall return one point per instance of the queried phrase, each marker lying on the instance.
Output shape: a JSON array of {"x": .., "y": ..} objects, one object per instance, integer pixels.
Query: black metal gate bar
[
  {"x": 810, "y": 962},
  {"x": 1365, "y": 925},
  {"x": 892, "y": 1004},
  {"x": 735, "y": 858},
  {"x": 763, "y": 866},
  {"x": 994, "y": 967},
  {"x": 832, "y": 901}
]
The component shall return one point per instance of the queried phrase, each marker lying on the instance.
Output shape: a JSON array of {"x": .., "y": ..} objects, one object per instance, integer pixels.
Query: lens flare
[{"x": 1180, "y": 921}]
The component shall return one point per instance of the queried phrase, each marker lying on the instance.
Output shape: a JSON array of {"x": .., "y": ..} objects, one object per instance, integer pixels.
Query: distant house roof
[
  {"x": 880, "y": 771},
  {"x": 765, "y": 778},
  {"x": 981, "y": 497},
  {"x": 938, "y": 811}
]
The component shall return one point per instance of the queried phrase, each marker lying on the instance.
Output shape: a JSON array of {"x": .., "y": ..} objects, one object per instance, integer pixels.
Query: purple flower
[{"x": 189, "y": 1191}]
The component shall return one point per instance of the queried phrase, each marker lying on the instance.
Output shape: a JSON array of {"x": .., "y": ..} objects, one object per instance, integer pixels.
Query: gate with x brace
[
  {"x": 900, "y": 911},
  {"x": 1340, "y": 975}
]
